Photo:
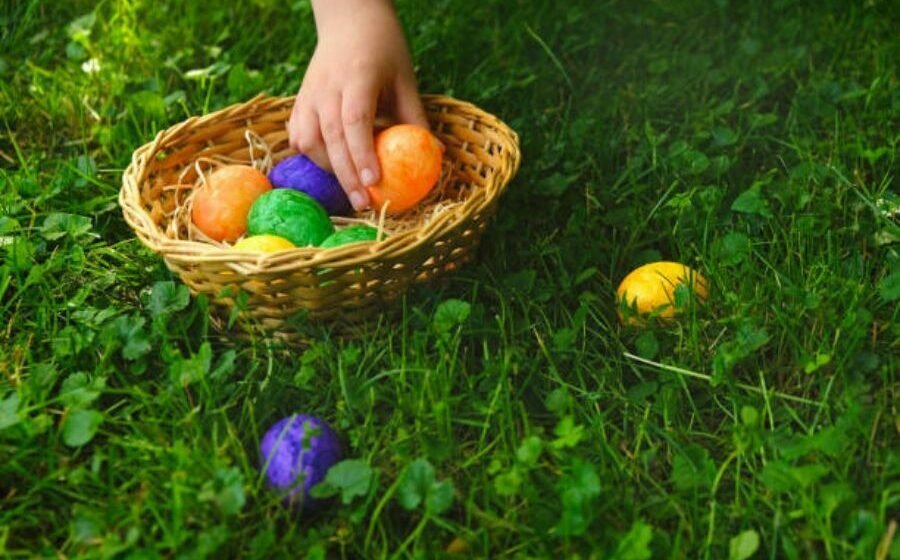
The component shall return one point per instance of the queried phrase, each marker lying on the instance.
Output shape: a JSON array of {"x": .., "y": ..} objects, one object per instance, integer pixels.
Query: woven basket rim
[{"x": 301, "y": 257}]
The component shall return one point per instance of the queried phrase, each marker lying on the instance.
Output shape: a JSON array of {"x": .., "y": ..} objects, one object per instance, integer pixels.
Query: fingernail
[
  {"x": 367, "y": 177},
  {"x": 358, "y": 200}
]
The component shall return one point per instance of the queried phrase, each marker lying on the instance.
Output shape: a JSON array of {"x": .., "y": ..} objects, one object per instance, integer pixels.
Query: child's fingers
[
  {"x": 358, "y": 114},
  {"x": 304, "y": 136},
  {"x": 409, "y": 107},
  {"x": 333, "y": 132},
  {"x": 298, "y": 124}
]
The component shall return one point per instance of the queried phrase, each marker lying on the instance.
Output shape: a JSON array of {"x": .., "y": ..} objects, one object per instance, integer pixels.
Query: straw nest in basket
[{"x": 348, "y": 282}]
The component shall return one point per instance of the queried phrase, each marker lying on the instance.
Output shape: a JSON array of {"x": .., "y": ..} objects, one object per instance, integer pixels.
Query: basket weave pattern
[{"x": 349, "y": 282}]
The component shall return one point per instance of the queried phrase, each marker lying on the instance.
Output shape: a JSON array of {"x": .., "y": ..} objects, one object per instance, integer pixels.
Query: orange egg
[
  {"x": 410, "y": 158},
  {"x": 221, "y": 206}
]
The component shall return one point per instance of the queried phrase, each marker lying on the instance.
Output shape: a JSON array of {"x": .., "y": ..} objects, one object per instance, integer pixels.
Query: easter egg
[
  {"x": 296, "y": 453},
  {"x": 352, "y": 234},
  {"x": 410, "y": 158},
  {"x": 220, "y": 206},
  {"x": 302, "y": 174},
  {"x": 290, "y": 214},
  {"x": 651, "y": 289},
  {"x": 263, "y": 244}
]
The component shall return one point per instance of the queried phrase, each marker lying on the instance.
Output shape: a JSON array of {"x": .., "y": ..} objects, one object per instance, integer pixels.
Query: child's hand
[{"x": 361, "y": 63}]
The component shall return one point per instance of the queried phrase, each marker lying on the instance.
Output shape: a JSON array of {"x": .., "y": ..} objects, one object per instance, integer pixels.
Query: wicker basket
[{"x": 346, "y": 283}]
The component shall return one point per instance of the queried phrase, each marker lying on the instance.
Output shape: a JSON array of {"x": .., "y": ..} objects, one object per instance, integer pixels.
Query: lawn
[{"x": 505, "y": 411}]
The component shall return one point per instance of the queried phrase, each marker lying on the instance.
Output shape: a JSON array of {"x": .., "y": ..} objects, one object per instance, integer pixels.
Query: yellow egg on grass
[
  {"x": 650, "y": 289},
  {"x": 263, "y": 244}
]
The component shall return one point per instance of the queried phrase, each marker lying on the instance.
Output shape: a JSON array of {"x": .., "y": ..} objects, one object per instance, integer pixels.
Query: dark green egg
[
  {"x": 291, "y": 214},
  {"x": 352, "y": 234}
]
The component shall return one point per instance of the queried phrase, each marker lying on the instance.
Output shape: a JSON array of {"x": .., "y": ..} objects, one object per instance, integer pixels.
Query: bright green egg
[
  {"x": 291, "y": 214},
  {"x": 352, "y": 234}
]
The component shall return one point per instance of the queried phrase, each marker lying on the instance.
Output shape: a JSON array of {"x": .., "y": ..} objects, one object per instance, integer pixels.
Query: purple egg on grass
[
  {"x": 297, "y": 453},
  {"x": 302, "y": 174}
]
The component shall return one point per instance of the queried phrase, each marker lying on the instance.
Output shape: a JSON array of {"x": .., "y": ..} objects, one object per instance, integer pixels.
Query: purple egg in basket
[
  {"x": 296, "y": 454},
  {"x": 301, "y": 173}
]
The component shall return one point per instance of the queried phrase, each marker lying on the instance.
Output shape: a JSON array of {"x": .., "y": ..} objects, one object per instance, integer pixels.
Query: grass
[{"x": 755, "y": 141}]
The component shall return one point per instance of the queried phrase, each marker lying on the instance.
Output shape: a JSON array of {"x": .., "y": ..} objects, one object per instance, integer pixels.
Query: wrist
[{"x": 341, "y": 14}]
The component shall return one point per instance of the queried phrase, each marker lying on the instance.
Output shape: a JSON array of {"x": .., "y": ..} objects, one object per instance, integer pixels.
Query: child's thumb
[{"x": 409, "y": 107}]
